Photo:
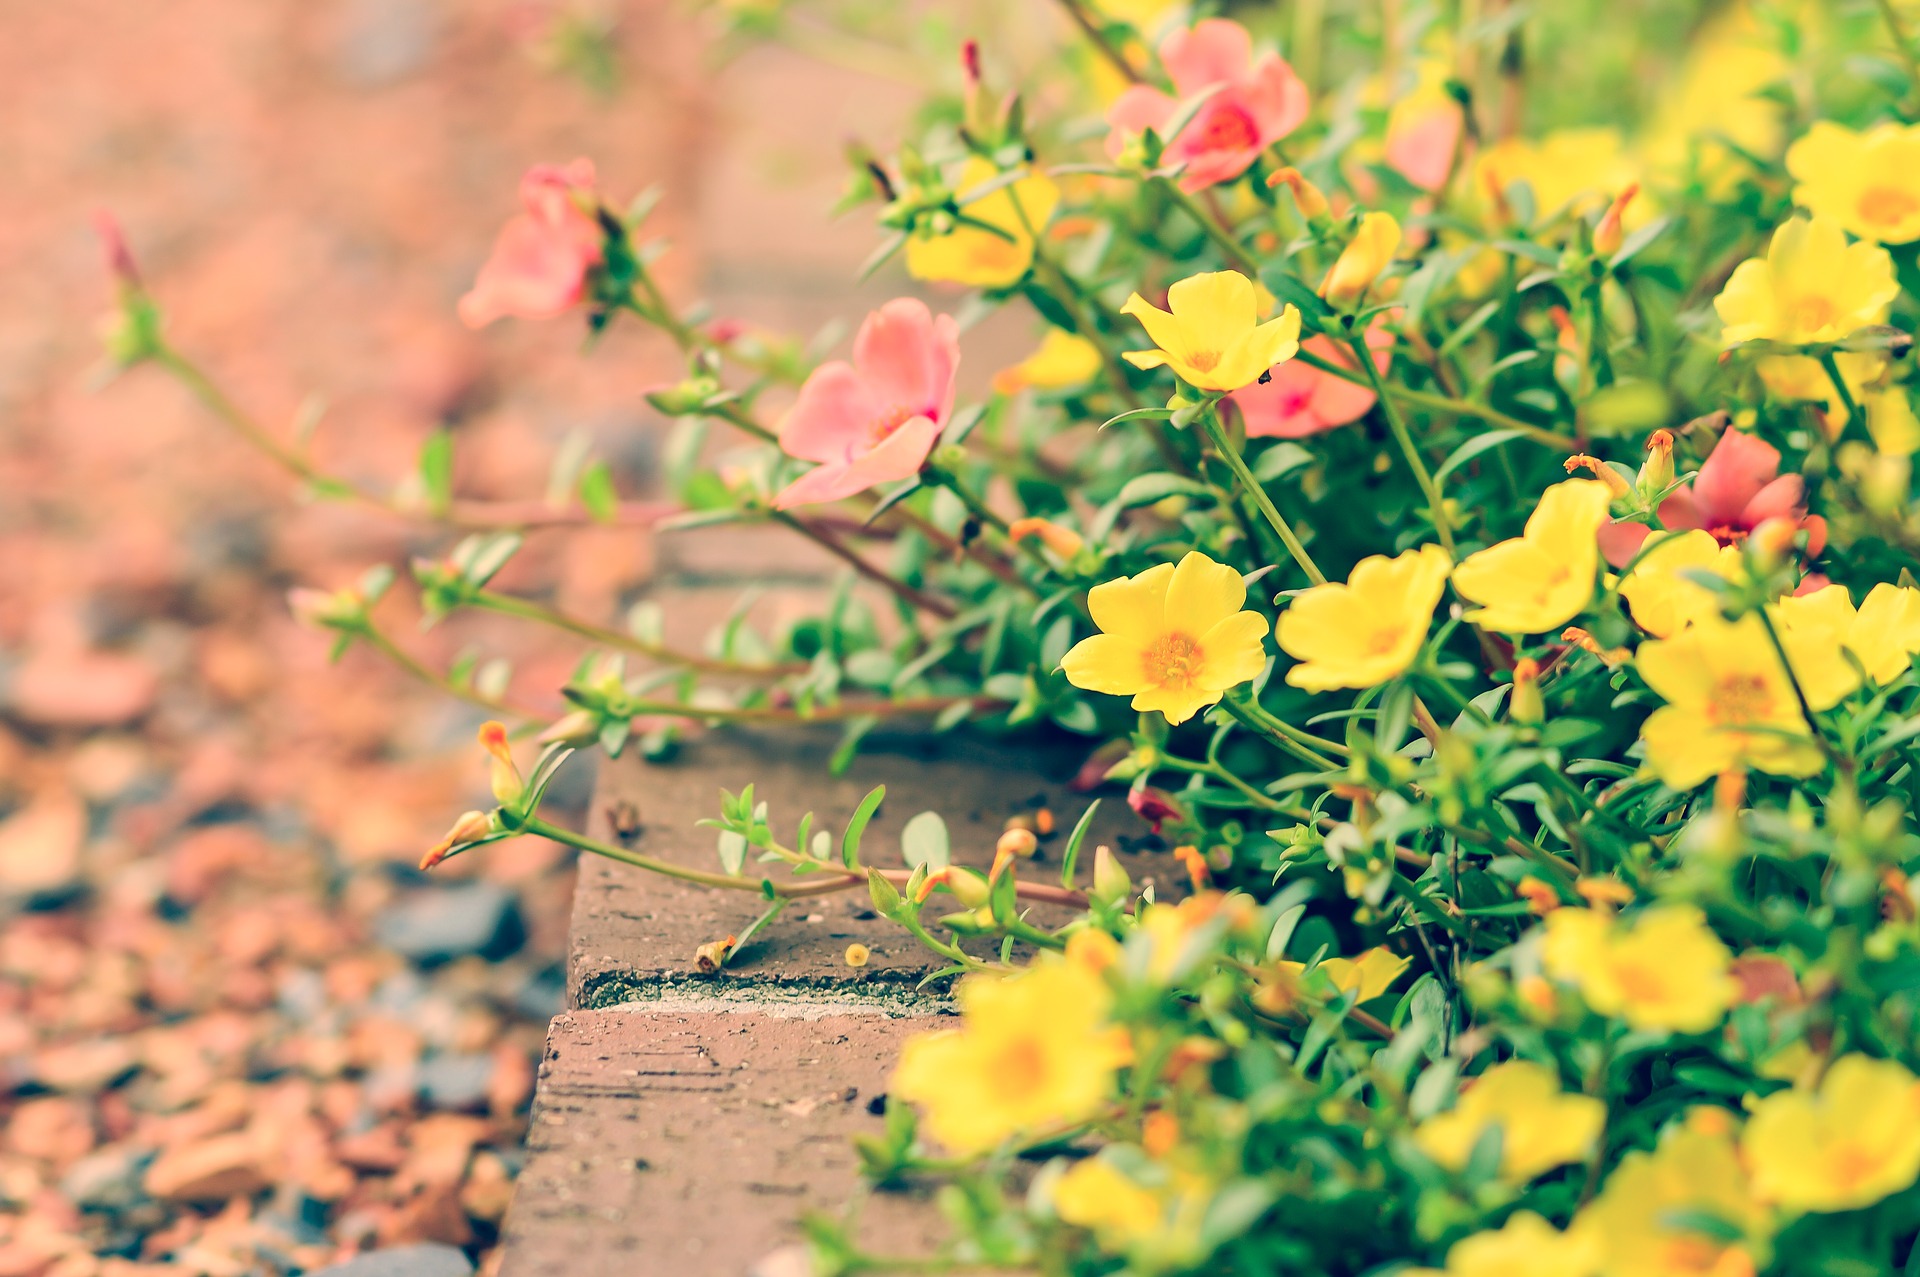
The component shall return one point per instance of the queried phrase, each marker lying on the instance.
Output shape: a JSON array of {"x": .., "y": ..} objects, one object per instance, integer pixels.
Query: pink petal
[
  {"x": 1784, "y": 498},
  {"x": 1283, "y": 408},
  {"x": 1277, "y": 97},
  {"x": 898, "y": 456},
  {"x": 907, "y": 359},
  {"x": 1140, "y": 108},
  {"x": 1215, "y": 51},
  {"x": 1422, "y": 152},
  {"x": 532, "y": 273},
  {"x": 832, "y": 416},
  {"x": 1619, "y": 542},
  {"x": 1812, "y": 583},
  {"x": 1738, "y": 468},
  {"x": 1816, "y": 535},
  {"x": 1680, "y": 512},
  {"x": 822, "y": 483}
]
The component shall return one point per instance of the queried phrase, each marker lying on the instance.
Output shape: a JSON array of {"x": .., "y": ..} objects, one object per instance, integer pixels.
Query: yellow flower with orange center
[
  {"x": 1540, "y": 1125},
  {"x": 1211, "y": 334},
  {"x": 1367, "y": 630},
  {"x": 1660, "y": 595},
  {"x": 1543, "y": 578},
  {"x": 1664, "y": 970},
  {"x": 1811, "y": 287},
  {"x": 1851, "y": 1142},
  {"x": 1174, "y": 638},
  {"x": 997, "y": 253},
  {"x": 1647, "y": 1220},
  {"x": 1822, "y": 629},
  {"x": 1096, "y": 1195},
  {"x": 1367, "y": 977},
  {"x": 1729, "y": 704},
  {"x": 1034, "y": 1052},
  {"x": 1867, "y": 182}
]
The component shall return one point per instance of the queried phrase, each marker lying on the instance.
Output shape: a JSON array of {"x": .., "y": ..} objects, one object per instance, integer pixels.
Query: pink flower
[
  {"x": 1739, "y": 487},
  {"x": 1302, "y": 400},
  {"x": 540, "y": 260},
  {"x": 1251, "y": 105},
  {"x": 1423, "y": 132},
  {"x": 875, "y": 420}
]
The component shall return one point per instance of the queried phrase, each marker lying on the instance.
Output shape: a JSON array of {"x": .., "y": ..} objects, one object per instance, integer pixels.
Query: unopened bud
[
  {"x": 578, "y": 728},
  {"x": 1612, "y": 657},
  {"x": 1538, "y": 996},
  {"x": 1196, "y": 865},
  {"x": 325, "y": 609},
  {"x": 1311, "y": 200},
  {"x": 1772, "y": 543},
  {"x": 1043, "y": 822},
  {"x": 1064, "y": 542},
  {"x": 506, "y": 782},
  {"x": 1016, "y": 842},
  {"x": 113, "y": 245},
  {"x": 1541, "y": 898},
  {"x": 1370, "y": 253},
  {"x": 1111, "y": 882},
  {"x": 1159, "y": 1132},
  {"x": 1656, "y": 472},
  {"x": 885, "y": 896},
  {"x": 1610, "y": 233},
  {"x": 471, "y": 827},
  {"x": 1526, "y": 706},
  {"x": 1604, "y": 893},
  {"x": 1617, "y": 485}
]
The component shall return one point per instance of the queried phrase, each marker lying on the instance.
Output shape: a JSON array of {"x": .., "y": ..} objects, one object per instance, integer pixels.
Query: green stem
[
  {"x": 1235, "y": 251},
  {"x": 527, "y": 609},
  {"x": 1300, "y": 744},
  {"x": 1436, "y": 507},
  {"x": 379, "y": 642},
  {"x": 1829, "y": 362},
  {"x": 1448, "y": 404},
  {"x": 1897, "y": 29},
  {"x": 1210, "y": 420},
  {"x": 836, "y": 712},
  {"x": 839, "y": 549}
]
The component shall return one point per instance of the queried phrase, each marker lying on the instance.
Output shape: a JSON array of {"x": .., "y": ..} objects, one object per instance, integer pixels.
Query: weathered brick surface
[{"x": 690, "y": 1143}]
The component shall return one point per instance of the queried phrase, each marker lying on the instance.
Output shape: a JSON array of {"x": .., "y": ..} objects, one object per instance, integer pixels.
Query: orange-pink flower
[
  {"x": 876, "y": 419},
  {"x": 1739, "y": 487},
  {"x": 541, "y": 259},
  {"x": 1251, "y": 105},
  {"x": 1301, "y": 400}
]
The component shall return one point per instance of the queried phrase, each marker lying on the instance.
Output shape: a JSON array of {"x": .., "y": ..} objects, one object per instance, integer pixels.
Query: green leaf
[
  {"x": 596, "y": 492},
  {"x": 1634, "y": 244},
  {"x": 733, "y": 852},
  {"x": 1473, "y": 448},
  {"x": 924, "y": 842},
  {"x": 1281, "y": 459},
  {"x": 1071, "y": 855},
  {"x": 857, "y": 826},
  {"x": 1145, "y": 489},
  {"x": 1138, "y": 414},
  {"x": 436, "y": 471}
]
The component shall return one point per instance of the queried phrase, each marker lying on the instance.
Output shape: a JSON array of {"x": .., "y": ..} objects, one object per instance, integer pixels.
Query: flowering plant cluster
[{"x": 1483, "y": 553}]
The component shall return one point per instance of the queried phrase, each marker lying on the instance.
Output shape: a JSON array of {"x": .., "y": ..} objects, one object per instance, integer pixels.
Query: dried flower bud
[
  {"x": 1064, "y": 542},
  {"x": 1016, "y": 842},
  {"x": 1617, "y": 485},
  {"x": 1612, "y": 657},
  {"x": 713, "y": 955},
  {"x": 1313, "y": 203},
  {"x": 506, "y": 781},
  {"x": 1526, "y": 705},
  {"x": 857, "y": 955},
  {"x": 471, "y": 827},
  {"x": 1610, "y": 233}
]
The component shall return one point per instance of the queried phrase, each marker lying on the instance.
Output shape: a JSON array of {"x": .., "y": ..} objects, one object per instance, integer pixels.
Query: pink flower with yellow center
[
  {"x": 1174, "y": 638},
  {"x": 1250, "y": 105},
  {"x": 541, "y": 259},
  {"x": 874, "y": 420},
  {"x": 1301, "y": 400}
]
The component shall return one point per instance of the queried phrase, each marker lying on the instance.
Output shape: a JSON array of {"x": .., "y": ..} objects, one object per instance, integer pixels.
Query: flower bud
[
  {"x": 506, "y": 781},
  {"x": 1540, "y": 896},
  {"x": 1064, "y": 542},
  {"x": 1370, "y": 252},
  {"x": 1609, "y": 234},
  {"x": 1612, "y": 657},
  {"x": 712, "y": 955},
  {"x": 885, "y": 896},
  {"x": 1019, "y": 843},
  {"x": 857, "y": 955},
  {"x": 1617, "y": 485},
  {"x": 325, "y": 609},
  {"x": 1656, "y": 472},
  {"x": 471, "y": 827},
  {"x": 1159, "y": 1132},
  {"x": 1604, "y": 893},
  {"x": 1313, "y": 203},
  {"x": 1772, "y": 543},
  {"x": 1538, "y": 996},
  {"x": 1111, "y": 883},
  {"x": 1525, "y": 705},
  {"x": 1196, "y": 865}
]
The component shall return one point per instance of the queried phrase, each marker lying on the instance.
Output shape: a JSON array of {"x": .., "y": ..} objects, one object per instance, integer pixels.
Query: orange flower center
[
  {"x": 1173, "y": 660},
  {"x": 1639, "y": 983},
  {"x": 1020, "y": 1068},
  {"x": 1227, "y": 127},
  {"x": 1739, "y": 699},
  {"x": 1852, "y": 1164},
  {"x": 1383, "y": 641},
  {"x": 883, "y": 426},
  {"x": 1886, "y": 206},
  {"x": 1811, "y": 314},
  {"x": 1203, "y": 360}
]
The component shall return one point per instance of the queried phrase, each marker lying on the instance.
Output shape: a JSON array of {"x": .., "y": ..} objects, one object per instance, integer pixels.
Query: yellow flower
[
  {"x": 1568, "y": 170},
  {"x": 1729, "y": 704},
  {"x": 1540, "y": 1125},
  {"x": 1801, "y": 378},
  {"x": 1642, "y": 1221},
  {"x": 1175, "y": 935},
  {"x": 1847, "y": 1145},
  {"x": 1369, "y": 975},
  {"x": 1883, "y": 634},
  {"x": 1543, "y": 578},
  {"x": 1368, "y": 630},
  {"x": 1867, "y": 182},
  {"x": 1811, "y": 287},
  {"x": 1034, "y": 1052},
  {"x": 1719, "y": 102},
  {"x": 1525, "y": 1246},
  {"x": 1661, "y": 598},
  {"x": 1891, "y": 421},
  {"x": 981, "y": 258},
  {"x": 1063, "y": 359},
  {"x": 1173, "y": 638},
  {"x": 1666, "y": 970},
  {"x": 1095, "y": 1195},
  {"x": 1214, "y": 338},
  {"x": 1362, "y": 261}
]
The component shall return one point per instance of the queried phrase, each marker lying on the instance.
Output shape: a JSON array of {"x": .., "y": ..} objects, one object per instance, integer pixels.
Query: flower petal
[{"x": 1202, "y": 593}]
